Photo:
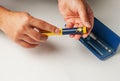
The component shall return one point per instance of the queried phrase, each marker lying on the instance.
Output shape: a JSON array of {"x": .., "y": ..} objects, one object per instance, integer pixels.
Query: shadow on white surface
[{"x": 45, "y": 48}]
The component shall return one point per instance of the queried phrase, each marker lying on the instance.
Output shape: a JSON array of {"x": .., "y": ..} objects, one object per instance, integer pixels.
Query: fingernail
[
  {"x": 57, "y": 31},
  {"x": 87, "y": 24}
]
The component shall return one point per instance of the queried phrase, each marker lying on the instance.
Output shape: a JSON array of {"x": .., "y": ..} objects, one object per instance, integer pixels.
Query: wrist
[{"x": 3, "y": 16}]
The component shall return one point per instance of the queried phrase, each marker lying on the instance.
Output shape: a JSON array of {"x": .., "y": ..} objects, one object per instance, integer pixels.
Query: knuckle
[
  {"x": 26, "y": 16},
  {"x": 24, "y": 28}
]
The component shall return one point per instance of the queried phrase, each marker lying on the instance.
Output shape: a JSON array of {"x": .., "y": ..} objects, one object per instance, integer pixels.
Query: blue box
[{"x": 103, "y": 42}]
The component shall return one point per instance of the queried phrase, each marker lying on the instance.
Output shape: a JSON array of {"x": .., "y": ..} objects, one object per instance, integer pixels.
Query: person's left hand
[{"x": 76, "y": 13}]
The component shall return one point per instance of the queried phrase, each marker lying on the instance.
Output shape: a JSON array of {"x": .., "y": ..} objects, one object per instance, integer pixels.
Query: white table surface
[{"x": 61, "y": 58}]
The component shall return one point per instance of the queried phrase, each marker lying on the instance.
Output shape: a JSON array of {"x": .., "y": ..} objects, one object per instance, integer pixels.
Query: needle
[{"x": 103, "y": 45}]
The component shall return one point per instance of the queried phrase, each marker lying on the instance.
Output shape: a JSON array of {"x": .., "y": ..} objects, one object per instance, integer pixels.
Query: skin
[
  {"x": 76, "y": 13},
  {"x": 21, "y": 27},
  {"x": 25, "y": 29}
]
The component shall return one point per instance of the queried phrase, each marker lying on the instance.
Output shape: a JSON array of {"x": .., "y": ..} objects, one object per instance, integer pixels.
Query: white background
[{"x": 61, "y": 58}]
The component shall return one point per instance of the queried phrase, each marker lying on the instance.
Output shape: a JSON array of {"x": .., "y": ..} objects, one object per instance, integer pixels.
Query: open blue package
[{"x": 102, "y": 41}]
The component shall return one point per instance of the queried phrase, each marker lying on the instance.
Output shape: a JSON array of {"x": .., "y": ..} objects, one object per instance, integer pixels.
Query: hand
[
  {"x": 21, "y": 28},
  {"x": 76, "y": 13}
]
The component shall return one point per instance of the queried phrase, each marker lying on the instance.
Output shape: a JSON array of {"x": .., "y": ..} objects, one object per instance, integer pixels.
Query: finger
[
  {"x": 69, "y": 25},
  {"x": 71, "y": 36},
  {"x": 91, "y": 16},
  {"x": 26, "y": 45},
  {"x": 83, "y": 14},
  {"x": 28, "y": 39},
  {"x": 79, "y": 22},
  {"x": 76, "y": 25},
  {"x": 37, "y": 36},
  {"x": 76, "y": 36},
  {"x": 42, "y": 25}
]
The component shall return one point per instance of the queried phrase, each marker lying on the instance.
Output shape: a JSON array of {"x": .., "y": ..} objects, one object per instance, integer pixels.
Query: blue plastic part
[
  {"x": 106, "y": 36},
  {"x": 67, "y": 31}
]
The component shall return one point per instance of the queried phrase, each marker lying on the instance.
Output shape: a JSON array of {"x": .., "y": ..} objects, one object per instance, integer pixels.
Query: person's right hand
[
  {"x": 77, "y": 13},
  {"x": 20, "y": 27}
]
